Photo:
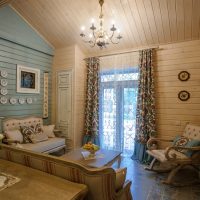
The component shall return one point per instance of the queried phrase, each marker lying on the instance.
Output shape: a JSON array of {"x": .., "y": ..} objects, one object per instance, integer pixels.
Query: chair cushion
[
  {"x": 44, "y": 146},
  {"x": 48, "y": 130},
  {"x": 14, "y": 135},
  {"x": 160, "y": 154},
  {"x": 120, "y": 178}
]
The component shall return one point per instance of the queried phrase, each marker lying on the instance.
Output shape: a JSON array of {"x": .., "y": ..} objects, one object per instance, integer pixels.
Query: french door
[{"x": 118, "y": 115}]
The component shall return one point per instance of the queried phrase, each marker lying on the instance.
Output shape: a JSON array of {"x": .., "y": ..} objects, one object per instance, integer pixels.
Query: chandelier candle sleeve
[{"x": 99, "y": 36}]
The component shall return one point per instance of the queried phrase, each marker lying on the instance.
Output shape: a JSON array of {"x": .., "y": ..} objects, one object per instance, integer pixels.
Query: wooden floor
[{"x": 147, "y": 185}]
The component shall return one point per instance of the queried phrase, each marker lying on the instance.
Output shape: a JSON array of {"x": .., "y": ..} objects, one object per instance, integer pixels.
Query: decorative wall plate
[
  {"x": 4, "y": 73},
  {"x": 13, "y": 100},
  {"x": 29, "y": 100},
  {"x": 4, "y": 91},
  {"x": 183, "y": 76},
  {"x": 183, "y": 95},
  {"x": 21, "y": 100},
  {"x": 4, "y": 82},
  {"x": 3, "y": 100}
]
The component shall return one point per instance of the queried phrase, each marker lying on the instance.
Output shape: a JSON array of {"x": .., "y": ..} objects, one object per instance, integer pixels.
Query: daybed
[
  {"x": 12, "y": 125},
  {"x": 103, "y": 183}
]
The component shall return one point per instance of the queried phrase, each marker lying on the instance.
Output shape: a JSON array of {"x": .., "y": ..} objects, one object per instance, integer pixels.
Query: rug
[{"x": 7, "y": 180}]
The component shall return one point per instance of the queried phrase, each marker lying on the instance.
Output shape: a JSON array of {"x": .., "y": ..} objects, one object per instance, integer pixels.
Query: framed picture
[{"x": 28, "y": 79}]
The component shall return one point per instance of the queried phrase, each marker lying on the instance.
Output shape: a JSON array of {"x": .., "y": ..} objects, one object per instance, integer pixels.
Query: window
[{"x": 118, "y": 96}]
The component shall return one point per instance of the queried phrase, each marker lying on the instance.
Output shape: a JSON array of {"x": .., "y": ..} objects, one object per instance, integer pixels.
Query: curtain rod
[
  {"x": 26, "y": 46},
  {"x": 131, "y": 51}
]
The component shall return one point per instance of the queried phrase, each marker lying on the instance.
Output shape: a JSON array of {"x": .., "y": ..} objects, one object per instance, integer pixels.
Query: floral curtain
[
  {"x": 145, "y": 114},
  {"x": 92, "y": 101}
]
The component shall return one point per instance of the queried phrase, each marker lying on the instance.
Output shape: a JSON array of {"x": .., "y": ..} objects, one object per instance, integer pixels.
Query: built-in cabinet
[{"x": 64, "y": 103}]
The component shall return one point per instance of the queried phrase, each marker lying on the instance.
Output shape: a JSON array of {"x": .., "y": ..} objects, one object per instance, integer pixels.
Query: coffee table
[{"x": 105, "y": 158}]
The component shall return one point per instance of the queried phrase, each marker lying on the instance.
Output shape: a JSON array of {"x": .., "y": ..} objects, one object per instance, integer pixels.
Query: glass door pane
[
  {"x": 108, "y": 136},
  {"x": 129, "y": 118}
]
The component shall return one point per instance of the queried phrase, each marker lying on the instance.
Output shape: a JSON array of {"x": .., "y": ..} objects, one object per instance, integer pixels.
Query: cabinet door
[{"x": 64, "y": 103}]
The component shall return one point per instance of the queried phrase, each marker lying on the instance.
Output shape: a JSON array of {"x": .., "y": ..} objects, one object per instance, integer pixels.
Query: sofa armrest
[
  {"x": 152, "y": 143},
  {"x": 57, "y": 132},
  {"x": 10, "y": 141}
]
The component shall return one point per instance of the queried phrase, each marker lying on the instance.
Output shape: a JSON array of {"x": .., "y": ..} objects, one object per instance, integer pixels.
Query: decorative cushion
[
  {"x": 48, "y": 130},
  {"x": 120, "y": 178},
  {"x": 183, "y": 141},
  {"x": 26, "y": 132},
  {"x": 14, "y": 135},
  {"x": 33, "y": 134}
]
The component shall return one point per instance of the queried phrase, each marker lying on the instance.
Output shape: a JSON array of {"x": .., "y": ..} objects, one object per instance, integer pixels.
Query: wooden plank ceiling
[{"x": 142, "y": 22}]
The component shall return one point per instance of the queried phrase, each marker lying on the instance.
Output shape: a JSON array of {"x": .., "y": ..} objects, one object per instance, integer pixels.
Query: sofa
[
  {"x": 11, "y": 130},
  {"x": 103, "y": 183}
]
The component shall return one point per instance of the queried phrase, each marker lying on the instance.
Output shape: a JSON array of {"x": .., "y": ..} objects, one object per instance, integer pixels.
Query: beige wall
[
  {"x": 71, "y": 58},
  {"x": 173, "y": 114}
]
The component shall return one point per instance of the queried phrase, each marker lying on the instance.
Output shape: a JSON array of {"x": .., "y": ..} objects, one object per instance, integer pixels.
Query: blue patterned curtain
[
  {"x": 145, "y": 114},
  {"x": 92, "y": 102}
]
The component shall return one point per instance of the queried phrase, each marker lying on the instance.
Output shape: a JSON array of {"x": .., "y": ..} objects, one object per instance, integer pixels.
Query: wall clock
[
  {"x": 183, "y": 76},
  {"x": 183, "y": 95}
]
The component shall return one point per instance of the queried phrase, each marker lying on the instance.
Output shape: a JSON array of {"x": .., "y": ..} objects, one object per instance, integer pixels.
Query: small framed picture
[{"x": 28, "y": 79}]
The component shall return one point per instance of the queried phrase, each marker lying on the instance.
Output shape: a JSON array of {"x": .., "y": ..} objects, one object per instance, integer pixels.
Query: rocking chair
[{"x": 175, "y": 157}]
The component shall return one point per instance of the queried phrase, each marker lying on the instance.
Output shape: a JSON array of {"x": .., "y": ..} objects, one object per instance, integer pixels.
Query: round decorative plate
[
  {"x": 4, "y": 73},
  {"x": 13, "y": 100},
  {"x": 4, "y": 91},
  {"x": 183, "y": 76},
  {"x": 183, "y": 95},
  {"x": 29, "y": 100},
  {"x": 21, "y": 100},
  {"x": 4, "y": 82},
  {"x": 3, "y": 100}
]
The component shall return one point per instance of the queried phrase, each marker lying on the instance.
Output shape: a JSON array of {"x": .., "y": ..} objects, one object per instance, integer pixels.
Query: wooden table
[
  {"x": 109, "y": 157},
  {"x": 37, "y": 185}
]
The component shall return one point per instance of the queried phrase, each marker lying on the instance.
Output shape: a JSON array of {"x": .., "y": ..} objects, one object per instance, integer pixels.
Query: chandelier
[{"x": 99, "y": 36}]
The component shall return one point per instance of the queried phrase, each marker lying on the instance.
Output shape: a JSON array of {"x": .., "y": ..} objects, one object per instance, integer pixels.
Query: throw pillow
[
  {"x": 38, "y": 135},
  {"x": 120, "y": 178},
  {"x": 181, "y": 141},
  {"x": 27, "y": 131},
  {"x": 48, "y": 130},
  {"x": 14, "y": 135}
]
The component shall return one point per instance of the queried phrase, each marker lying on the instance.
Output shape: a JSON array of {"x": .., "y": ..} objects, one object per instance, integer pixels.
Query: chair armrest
[
  {"x": 125, "y": 191},
  {"x": 152, "y": 143},
  {"x": 10, "y": 141}
]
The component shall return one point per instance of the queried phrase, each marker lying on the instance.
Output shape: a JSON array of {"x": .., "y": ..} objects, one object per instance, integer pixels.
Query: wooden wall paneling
[
  {"x": 196, "y": 18},
  {"x": 188, "y": 18},
  {"x": 118, "y": 10},
  {"x": 151, "y": 20},
  {"x": 144, "y": 20},
  {"x": 8, "y": 62},
  {"x": 172, "y": 114},
  {"x": 171, "y": 5},
  {"x": 165, "y": 20},
  {"x": 180, "y": 20},
  {"x": 158, "y": 20},
  {"x": 136, "y": 18}
]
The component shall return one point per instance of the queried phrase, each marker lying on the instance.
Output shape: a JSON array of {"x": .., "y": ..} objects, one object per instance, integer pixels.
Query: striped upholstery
[{"x": 101, "y": 182}]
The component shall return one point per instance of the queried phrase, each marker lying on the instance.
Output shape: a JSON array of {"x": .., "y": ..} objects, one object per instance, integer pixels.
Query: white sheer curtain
[{"x": 117, "y": 105}]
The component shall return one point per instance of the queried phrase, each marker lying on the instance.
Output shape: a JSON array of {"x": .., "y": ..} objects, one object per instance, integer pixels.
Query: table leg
[{"x": 119, "y": 161}]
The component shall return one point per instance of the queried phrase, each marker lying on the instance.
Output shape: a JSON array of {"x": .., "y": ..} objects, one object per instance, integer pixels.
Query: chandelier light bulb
[
  {"x": 118, "y": 31},
  {"x": 90, "y": 35},
  {"x": 82, "y": 28},
  {"x": 92, "y": 20},
  {"x": 113, "y": 22}
]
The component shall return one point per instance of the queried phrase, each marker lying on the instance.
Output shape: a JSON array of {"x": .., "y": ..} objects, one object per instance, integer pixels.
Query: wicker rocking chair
[{"x": 173, "y": 158}]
